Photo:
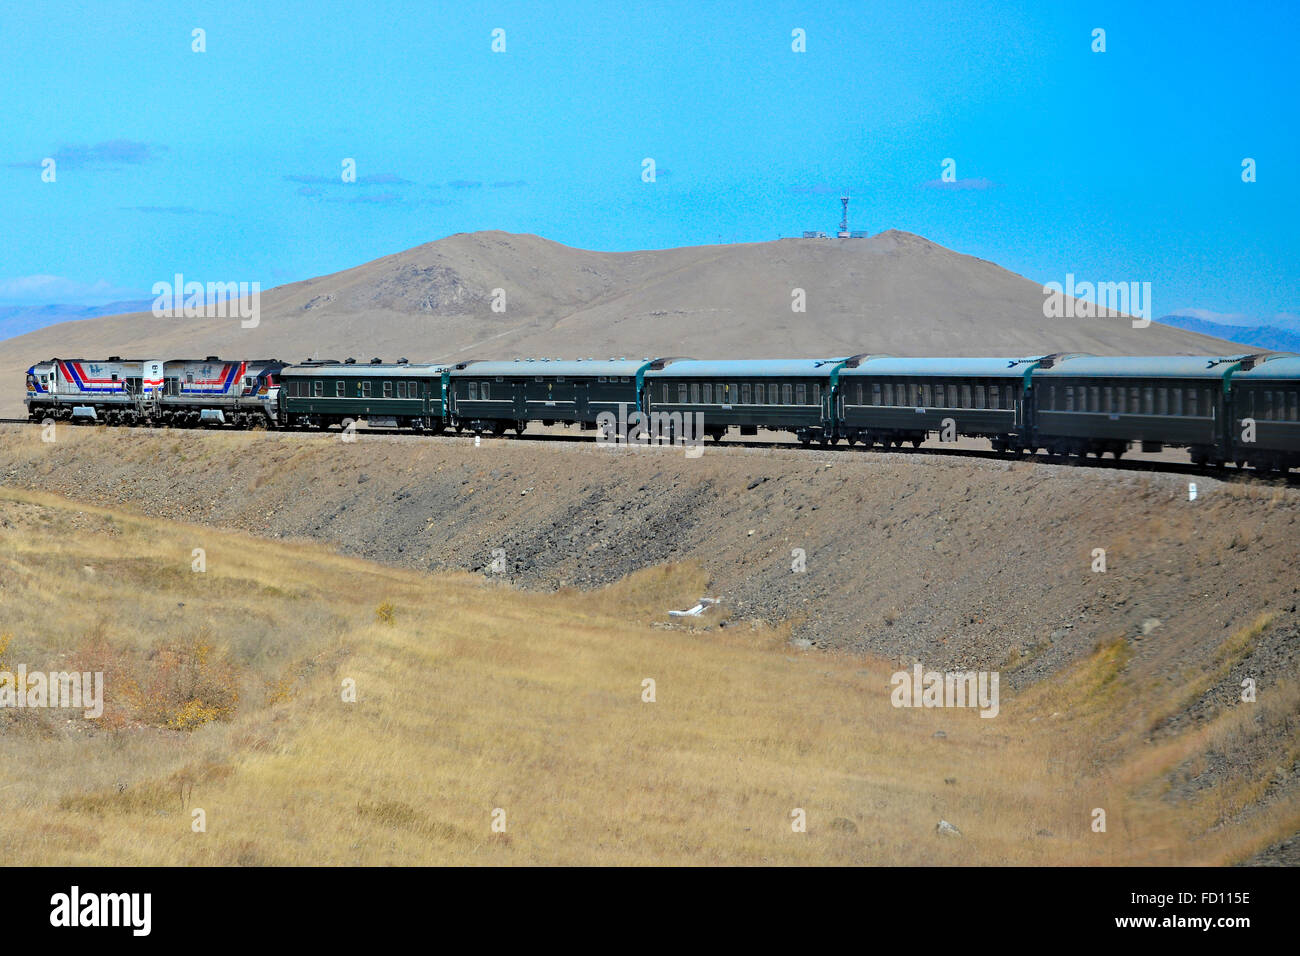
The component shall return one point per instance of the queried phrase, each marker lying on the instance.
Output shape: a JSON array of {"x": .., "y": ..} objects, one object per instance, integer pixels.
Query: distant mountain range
[
  {"x": 17, "y": 319},
  {"x": 1271, "y": 338}
]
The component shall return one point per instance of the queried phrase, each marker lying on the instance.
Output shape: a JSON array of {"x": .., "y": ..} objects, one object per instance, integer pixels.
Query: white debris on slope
[{"x": 704, "y": 605}]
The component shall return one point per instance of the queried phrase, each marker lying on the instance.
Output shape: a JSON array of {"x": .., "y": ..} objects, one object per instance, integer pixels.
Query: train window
[
  {"x": 1162, "y": 401},
  {"x": 401, "y": 390},
  {"x": 889, "y": 393},
  {"x": 1094, "y": 398},
  {"x": 786, "y": 394},
  {"x": 1010, "y": 394},
  {"x": 758, "y": 394},
  {"x": 979, "y": 396},
  {"x": 1069, "y": 398},
  {"x": 365, "y": 389},
  {"x": 559, "y": 378},
  {"x": 483, "y": 391},
  {"x": 1108, "y": 399},
  {"x": 339, "y": 387},
  {"x": 473, "y": 390},
  {"x": 602, "y": 379},
  {"x": 859, "y": 393},
  {"x": 501, "y": 378},
  {"x": 1148, "y": 400},
  {"x": 666, "y": 398},
  {"x": 1135, "y": 400},
  {"x": 723, "y": 392},
  {"x": 388, "y": 389},
  {"x": 965, "y": 396},
  {"x": 746, "y": 394},
  {"x": 706, "y": 393},
  {"x": 681, "y": 394},
  {"x": 801, "y": 394},
  {"x": 1268, "y": 406},
  {"x": 875, "y": 393},
  {"x": 1191, "y": 402},
  {"x": 539, "y": 379},
  {"x": 624, "y": 379},
  {"x": 695, "y": 392},
  {"x": 412, "y": 389},
  {"x": 1292, "y": 406},
  {"x": 319, "y": 385}
]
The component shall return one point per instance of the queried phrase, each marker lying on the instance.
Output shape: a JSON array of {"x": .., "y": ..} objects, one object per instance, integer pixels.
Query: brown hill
[{"x": 894, "y": 292}]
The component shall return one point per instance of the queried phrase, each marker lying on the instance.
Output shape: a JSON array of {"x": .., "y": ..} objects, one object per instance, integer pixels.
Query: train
[{"x": 1241, "y": 409}]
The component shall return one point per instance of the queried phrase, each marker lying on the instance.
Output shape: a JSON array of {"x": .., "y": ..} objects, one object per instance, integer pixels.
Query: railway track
[{"x": 1222, "y": 473}]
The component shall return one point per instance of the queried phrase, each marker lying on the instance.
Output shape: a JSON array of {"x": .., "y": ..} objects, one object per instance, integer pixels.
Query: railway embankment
[{"x": 954, "y": 561}]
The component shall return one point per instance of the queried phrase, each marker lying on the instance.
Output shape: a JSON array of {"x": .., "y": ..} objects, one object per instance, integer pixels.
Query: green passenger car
[{"x": 399, "y": 394}]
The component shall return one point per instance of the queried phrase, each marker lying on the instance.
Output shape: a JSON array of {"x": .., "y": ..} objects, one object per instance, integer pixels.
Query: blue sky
[{"x": 225, "y": 165}]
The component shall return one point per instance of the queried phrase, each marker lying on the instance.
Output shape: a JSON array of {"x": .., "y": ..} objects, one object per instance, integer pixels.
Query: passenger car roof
[
  {"x": 533, "y": 367},
  {"x": 1142, "y": 366},
  {"x": 715, "y": 368},
  {"x": 981, "y": 366}
]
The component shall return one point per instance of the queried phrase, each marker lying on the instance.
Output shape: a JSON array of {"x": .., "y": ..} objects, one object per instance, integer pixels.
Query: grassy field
[{"x": 476, "y": 703}]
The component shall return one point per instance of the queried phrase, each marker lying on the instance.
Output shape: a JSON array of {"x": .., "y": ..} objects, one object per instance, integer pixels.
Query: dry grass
[{"x": 473, "y": 698}]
